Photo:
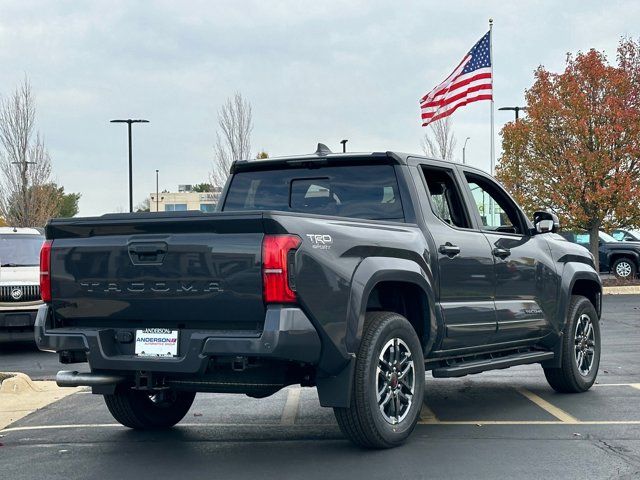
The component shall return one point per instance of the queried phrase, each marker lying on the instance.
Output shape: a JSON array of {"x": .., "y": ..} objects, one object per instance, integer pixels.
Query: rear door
[
  {"x": 465, "y": 263},
  {"x": 526, "y": 284}
]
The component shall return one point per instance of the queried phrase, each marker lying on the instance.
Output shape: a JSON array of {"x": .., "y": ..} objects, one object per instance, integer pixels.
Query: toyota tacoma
[{"x": 353, "y": 273}]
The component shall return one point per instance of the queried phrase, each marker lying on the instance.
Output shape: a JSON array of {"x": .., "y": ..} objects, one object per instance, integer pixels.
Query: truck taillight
[
  {"x": 45, "y": 271},
  {"x": 275, "y": 268}
]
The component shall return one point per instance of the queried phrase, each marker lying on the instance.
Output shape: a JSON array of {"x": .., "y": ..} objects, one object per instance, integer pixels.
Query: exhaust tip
[{"x": 69, "y": 378}]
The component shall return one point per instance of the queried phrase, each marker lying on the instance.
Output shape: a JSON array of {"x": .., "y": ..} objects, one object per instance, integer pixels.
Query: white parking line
[
  {"x": 632, "y": 385},
  {"x": 548, "y": 407},
  {"x": 290, "y": 410}
]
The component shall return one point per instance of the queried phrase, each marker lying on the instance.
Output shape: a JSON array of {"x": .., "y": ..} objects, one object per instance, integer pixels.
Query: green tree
[
  {"x": 577, "y": 152},
  {"x": 202, "y": 188},
  {"x": 68, "y": 203}
]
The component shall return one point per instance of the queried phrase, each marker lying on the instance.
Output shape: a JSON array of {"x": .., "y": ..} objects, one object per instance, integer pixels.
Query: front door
[
  {"x": 465, "y": 264},
  {"x": 526, "y": 285}
]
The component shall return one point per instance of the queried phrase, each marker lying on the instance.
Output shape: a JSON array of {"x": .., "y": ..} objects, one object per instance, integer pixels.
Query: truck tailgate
[{"x": 181, "y": 271}]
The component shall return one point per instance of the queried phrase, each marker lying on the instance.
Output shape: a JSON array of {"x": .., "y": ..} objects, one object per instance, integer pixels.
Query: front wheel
[
  {"x": 388, "y": 386},
  {"x": 144, "y": 410},
  {"x": 580, "y": 349}
]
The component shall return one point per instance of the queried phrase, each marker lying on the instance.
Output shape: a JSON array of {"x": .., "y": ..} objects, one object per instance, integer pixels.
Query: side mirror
[{"x": 546, "y": 222}]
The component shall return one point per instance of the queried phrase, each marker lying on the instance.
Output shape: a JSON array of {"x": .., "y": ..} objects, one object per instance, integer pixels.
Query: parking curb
[
  {"x": 622, "y": 290},
  {"x": 21, "y": 396}
]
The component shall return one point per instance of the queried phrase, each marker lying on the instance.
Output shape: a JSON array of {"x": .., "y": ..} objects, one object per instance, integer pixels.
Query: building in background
[{"x": 184, "y": 199}]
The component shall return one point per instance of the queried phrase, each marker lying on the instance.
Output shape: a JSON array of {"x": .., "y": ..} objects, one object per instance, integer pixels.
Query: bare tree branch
[
  {"x": 26, "y": 196},
  {"x": 440, "y": 141},
  {"x": 233, "y": 138}
]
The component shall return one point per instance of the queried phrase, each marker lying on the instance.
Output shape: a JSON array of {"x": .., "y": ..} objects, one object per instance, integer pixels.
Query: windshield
[
  {"x": 605, "y": 237},
  {"x": 20, "y": 250}
]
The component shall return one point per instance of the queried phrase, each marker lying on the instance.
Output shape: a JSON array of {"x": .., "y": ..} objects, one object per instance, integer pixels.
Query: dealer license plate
[{"x": 157, "y": 342}]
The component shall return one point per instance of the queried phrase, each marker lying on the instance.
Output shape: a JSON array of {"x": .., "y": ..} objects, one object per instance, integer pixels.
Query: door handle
[
  {"x": 147, "y": 253},
  {"x": 449, "y": 249},
  {"x": 501, "y": 252}
]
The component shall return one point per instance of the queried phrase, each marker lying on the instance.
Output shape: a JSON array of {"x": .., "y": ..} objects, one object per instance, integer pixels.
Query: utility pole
[
  {"x": 129, "y": 122},
  {"x": 515, "y": 109},
  {"x": 344, "y": 145},
  {"x": 464, "y": 147}
]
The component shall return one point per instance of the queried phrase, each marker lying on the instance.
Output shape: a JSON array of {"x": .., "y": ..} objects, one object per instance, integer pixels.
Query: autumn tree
[
  {"x": 440, "y": 140},
  {"x": 233, "y": 138},
  {"x": 577, "y": 153}
]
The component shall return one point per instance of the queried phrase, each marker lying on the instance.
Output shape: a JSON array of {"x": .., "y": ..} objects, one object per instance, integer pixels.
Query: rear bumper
[
  {"x": 17, "y": 325},
  {"x": 287, "y": 335}
]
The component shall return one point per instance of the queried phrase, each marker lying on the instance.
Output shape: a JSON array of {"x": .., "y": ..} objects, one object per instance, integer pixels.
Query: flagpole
[{"x": 493, "y": 148}]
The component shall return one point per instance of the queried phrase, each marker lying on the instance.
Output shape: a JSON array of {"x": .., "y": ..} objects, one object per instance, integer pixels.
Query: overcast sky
[{"x": 313, "y": 71}]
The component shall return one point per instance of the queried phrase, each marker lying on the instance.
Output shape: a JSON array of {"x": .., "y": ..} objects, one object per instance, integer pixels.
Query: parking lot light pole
[
  {"x": 129, "y": 122},
  {"x": 464, "y": 148},
  {"x": 515, "y": 109}
]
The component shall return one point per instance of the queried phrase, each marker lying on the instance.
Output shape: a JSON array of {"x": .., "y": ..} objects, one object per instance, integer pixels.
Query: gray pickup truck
[{"x": 354, "y": 273}]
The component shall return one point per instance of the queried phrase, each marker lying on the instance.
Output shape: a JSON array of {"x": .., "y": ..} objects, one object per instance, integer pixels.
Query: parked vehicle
[
  {"x": 626, "y": 235},
  {"x": 19, "y": 282},
  {"x": 620, "y": 258},
  {"x": 354, "y": 273}
]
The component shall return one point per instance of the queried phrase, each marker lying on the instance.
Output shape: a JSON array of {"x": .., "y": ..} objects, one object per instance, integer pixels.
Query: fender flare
[
  {"x": 622, "y": 253},
  {"x": 572, "y": 272},
  {"x": 374, "y": 270}
]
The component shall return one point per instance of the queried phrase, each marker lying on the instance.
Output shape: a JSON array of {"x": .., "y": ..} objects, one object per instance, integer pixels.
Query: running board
[{"x": 461, "y": 369}]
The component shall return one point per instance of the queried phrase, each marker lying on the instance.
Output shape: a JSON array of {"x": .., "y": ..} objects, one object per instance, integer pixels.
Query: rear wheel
[
  {"x": 145, "y": 410},
  {"x": 388, "y": 384},
  {"x": 580, "y": 349},
  {"x": 624, "y": 268}
]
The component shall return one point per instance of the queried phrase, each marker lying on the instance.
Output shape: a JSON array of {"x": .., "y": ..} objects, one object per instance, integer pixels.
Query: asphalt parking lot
[{"x": 499, "y": 424}]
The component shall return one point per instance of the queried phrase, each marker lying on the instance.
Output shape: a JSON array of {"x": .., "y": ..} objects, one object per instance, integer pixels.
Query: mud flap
[
  {"x": 556, "y": 361},
  {"x": 335, "y": 390}
]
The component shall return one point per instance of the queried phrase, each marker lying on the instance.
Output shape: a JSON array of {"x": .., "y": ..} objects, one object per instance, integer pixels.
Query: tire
[
  {"x": 142, "y": 411},
  {"x": 624, "y": 268},
  {"x": 570, "y": 378},
  {"x": 364, "y": 423}
]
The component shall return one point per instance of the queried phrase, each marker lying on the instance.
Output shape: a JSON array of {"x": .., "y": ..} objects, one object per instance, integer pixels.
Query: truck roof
[
  {"x": 324, "y": 155},
  {"x": 19, "y": 231}
]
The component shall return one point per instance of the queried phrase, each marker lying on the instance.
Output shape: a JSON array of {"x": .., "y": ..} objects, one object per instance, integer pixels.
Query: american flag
[{"x": 471, "y": 81}]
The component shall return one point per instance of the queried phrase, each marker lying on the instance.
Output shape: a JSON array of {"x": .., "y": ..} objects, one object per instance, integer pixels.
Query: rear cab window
[{"x": 368, "y": 192}]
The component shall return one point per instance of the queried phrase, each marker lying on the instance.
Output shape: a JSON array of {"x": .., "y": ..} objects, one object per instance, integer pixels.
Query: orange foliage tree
[{"x": 577, "y": 152}]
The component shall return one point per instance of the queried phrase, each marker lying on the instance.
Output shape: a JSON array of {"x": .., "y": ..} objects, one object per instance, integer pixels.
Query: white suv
[{"x": 19, "y": 282}]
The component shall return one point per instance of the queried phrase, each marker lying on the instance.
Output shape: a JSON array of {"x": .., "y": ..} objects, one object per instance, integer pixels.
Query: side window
[
  {"x": 446, "y": 201},
  {"x": 497, "y": 212},
  {"x": 582, "y": 238}
]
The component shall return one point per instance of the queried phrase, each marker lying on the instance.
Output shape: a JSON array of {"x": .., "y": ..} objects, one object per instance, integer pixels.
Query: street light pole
[
  {"x": 515, "y": 109},
  {"x": 464, "y": 147},
  {"x": 129, "y": 122},
  {"x": 344, "y": 145},
  {"x": 157, "y": 193}
]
